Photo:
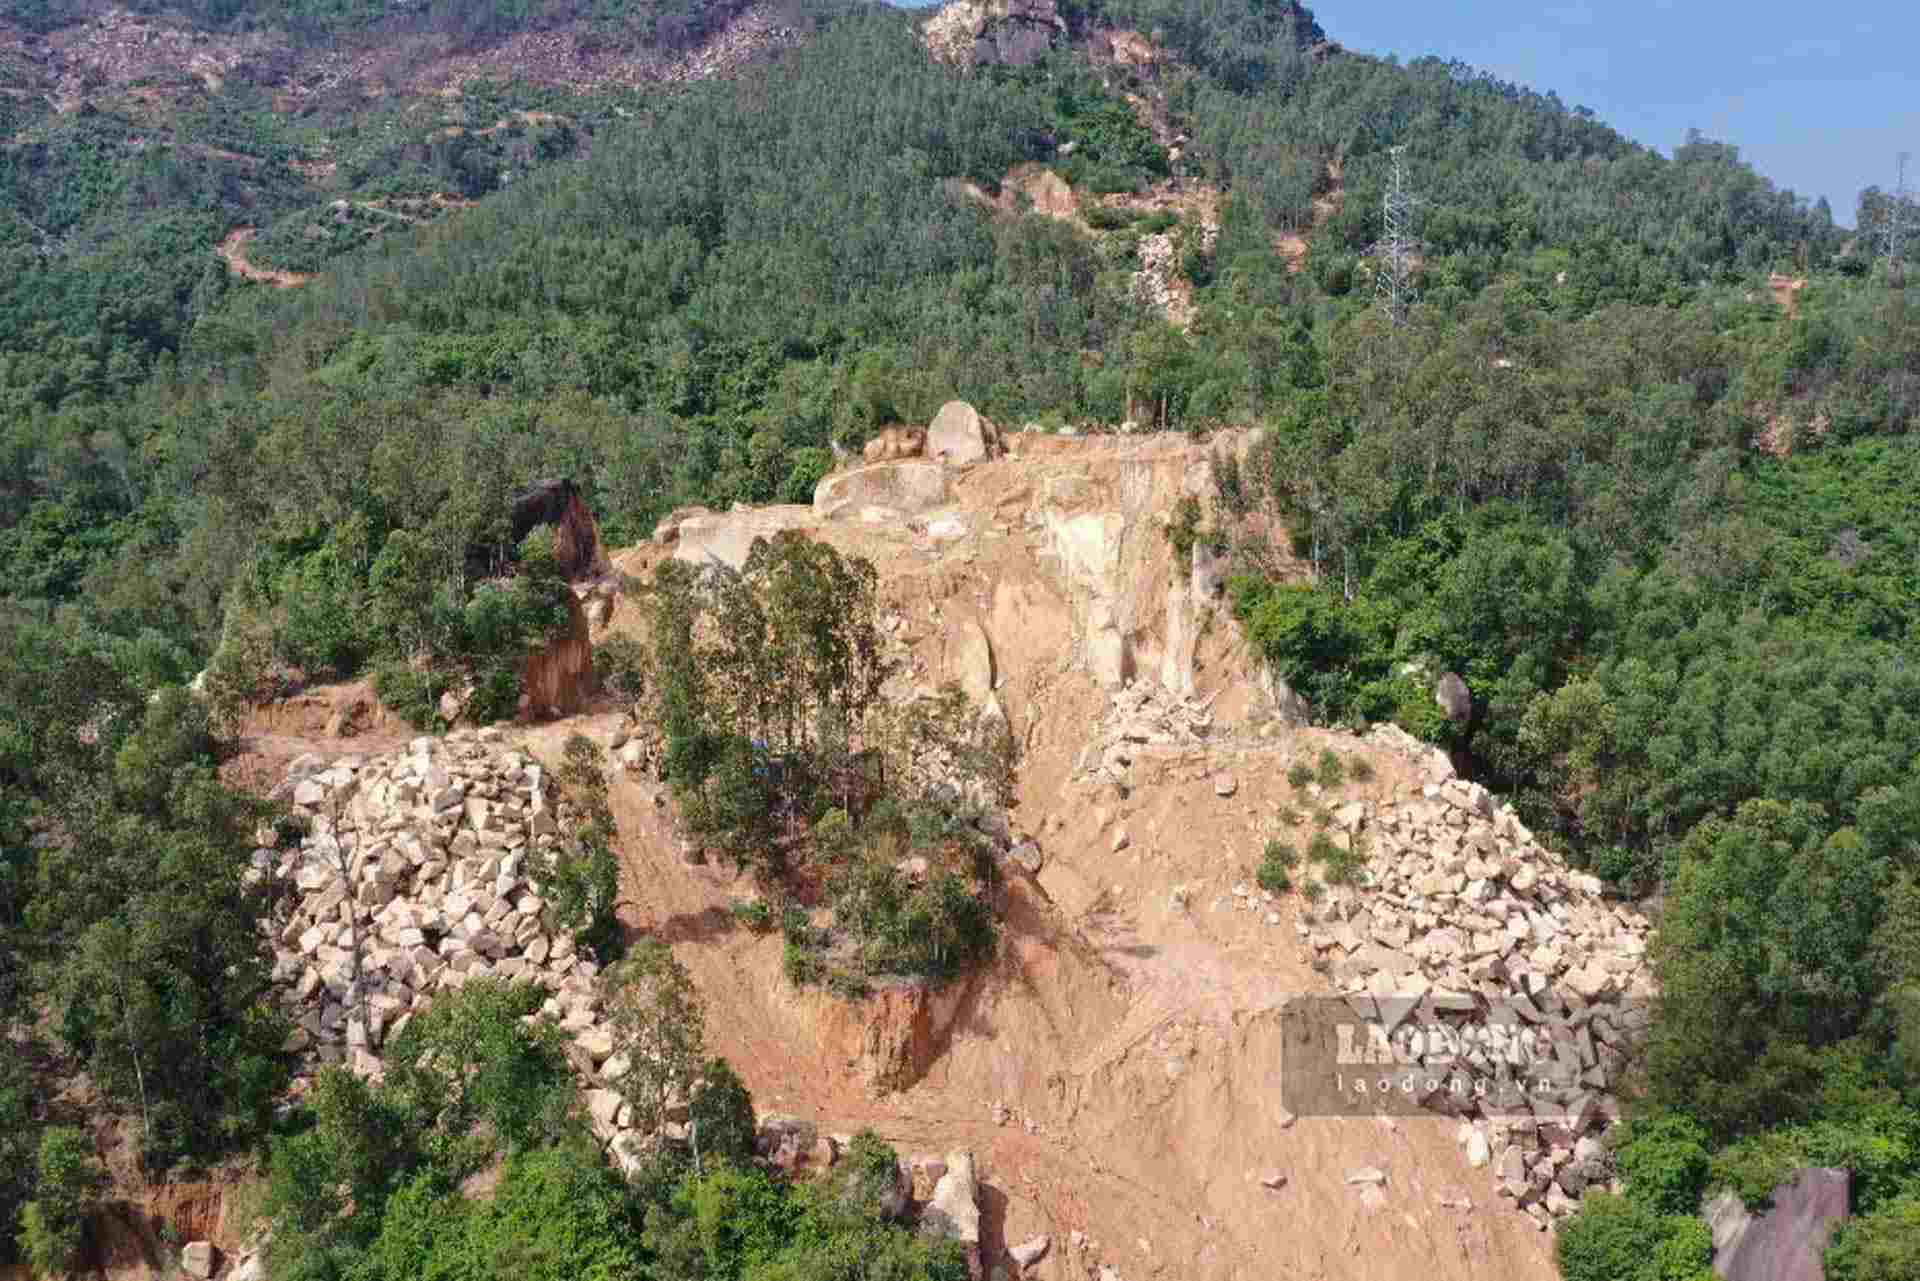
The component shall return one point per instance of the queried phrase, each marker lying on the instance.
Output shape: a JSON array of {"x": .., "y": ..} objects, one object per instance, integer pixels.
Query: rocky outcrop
[
  {"x": 556, "y": 504},
  {"x": 197, "y": 1259},
  {"x": 890, "y": 1038},
  {"x": 954, "y": 1211},
  {"x": 1787, "y": 1242},
  {"x": 558, "y": 678},
  {"x": 1454, "y": 698},
  {"x": 970, "y": 658},
  {"x": 895, "y": 442},
  {"x": 897, "y": 489},
  {"x": 726, "y": 538},
  {"x": 667, "y": 532},
  {"x": 1010, "y": 33},
  {"x": 960, "y": 437}
]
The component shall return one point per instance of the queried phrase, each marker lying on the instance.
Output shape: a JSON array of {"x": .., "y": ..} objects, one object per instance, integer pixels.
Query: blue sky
[{"x": 1820, "y": 99}]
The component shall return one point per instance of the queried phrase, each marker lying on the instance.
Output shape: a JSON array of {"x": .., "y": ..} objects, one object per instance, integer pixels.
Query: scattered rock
[
  {"x": 1028, "y": 1253},
  {"x": 954, "y": 1211},
  {"x": 436, "y": 851},
  {"x": 1273, "y": 1179},
  {"x": 946, "y": 529},
  {"x": 1225, "y": 785},
  {"x": 197, "y": 1259},
  {"x": 1478, "y": 1150}
]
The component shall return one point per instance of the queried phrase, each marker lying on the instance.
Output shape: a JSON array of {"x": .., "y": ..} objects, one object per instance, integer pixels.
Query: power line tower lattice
[
  {"x": 1394, "y": 280},
  {"x": 1898, "y": 206}
]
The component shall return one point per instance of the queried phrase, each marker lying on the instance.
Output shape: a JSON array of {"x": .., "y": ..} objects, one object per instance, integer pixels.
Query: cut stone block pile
[
  {"x": 1508, "y": 971},
  {"x": 1505, "y": 977},
  {"x": 431, "y": 858}
]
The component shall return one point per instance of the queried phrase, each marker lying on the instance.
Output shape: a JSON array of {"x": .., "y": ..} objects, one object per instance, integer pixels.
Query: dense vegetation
[
  {"x": 365, "y": 1179},
  {"x": 766, "y": 684},
  {"x": 1657, "y": 521}
]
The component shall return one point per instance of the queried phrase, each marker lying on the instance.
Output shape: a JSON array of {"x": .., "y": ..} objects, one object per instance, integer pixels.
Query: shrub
[
  {"x": 1196, "y": 263},
  {"x": 412, "y": 696},
  {"x": 1111, "y": 180},
  {"x": 1332, "y": 771},
  {"x": 1108, "y": 217},
  {"x": 67, "y": 1177},
  {"x": 1183, "y": 530},
  {"x": 871, "y": 1175},
  {"x": 559, "y": 1215},
  {"x": 1881, "y": 1246},
  {"x": 1158, "y": 221},
  {"x": 1340, "y": 866},
  {"x": 810, "y": 467},
  {"x": 424, "y": 1217},
  {"x": 581, "y": 882},
  {"x": 507, "y": 622},
  {"x": 754, "y": 914},
  {"x": 1300, "y": 774},
  {"x": 801, "y": 964},
  {"x": 620, "y": 665},
  {"x": 1312, "y": 891},
  {"x": 721, "y": 1114},
  {"x": 1360, "y": 769},
  {"x": 1665, "y": 1163},
  {"x": 1275, "y": 867},
  {"x": 321, "y": 627},
  {"x": 1614, "y": 1239},
  {"x": 496, "y": 694}
]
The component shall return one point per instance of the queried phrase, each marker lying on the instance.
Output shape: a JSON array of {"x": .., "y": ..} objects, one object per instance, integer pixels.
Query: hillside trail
[
  {"x": 233, "y": 252},
  {"x": 1292, "y": 245},
  {"x": 1116, "y": 1070}
]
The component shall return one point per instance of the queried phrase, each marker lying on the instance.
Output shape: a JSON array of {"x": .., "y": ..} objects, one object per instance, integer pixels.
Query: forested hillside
[{"x": 1637, "y": 465}]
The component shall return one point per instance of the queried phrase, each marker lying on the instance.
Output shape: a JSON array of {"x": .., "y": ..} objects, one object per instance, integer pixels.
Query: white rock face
[
  {"x": 954, "y": 1211},
  {"x": 196, "y": 1259},
  {"x": 959, "y": 437},
  {"x": 905, "y": 487},
  {"x": 970, "y": 661},
  {"x": 727, "y": 537}
]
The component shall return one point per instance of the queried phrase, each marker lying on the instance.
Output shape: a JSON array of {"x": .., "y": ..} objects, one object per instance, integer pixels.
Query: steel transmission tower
[
  {"x": 1395, "y": 277},
  {"x": 1897, "y": 205}
]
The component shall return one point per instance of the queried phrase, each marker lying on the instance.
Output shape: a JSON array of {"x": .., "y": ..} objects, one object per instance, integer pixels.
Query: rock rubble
[
  {"x": 427, "y": 862},
  {"x": 1501, "y": 978},
  {"x": 1514, "y": 987}
]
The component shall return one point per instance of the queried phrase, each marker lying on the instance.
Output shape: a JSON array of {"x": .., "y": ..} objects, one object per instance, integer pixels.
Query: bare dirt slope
[
  {"x": 233, "y": 252},
  {"x": 1117, "y": 1071}
]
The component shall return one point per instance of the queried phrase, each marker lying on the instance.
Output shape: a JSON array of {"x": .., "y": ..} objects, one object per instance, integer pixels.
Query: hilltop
[{"x": 1300, "y": 645}]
